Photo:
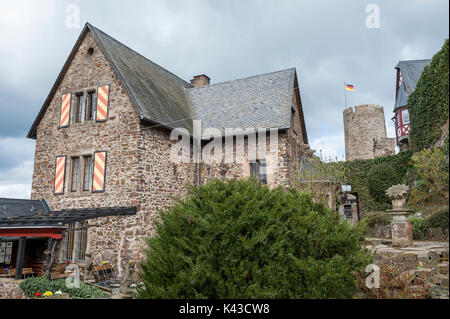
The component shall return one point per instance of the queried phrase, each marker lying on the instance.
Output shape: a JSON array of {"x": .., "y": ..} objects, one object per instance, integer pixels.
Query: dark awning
[{"x": 63, "y": 217}]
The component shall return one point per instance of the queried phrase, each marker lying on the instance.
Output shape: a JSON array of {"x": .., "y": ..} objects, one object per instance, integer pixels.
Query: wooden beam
[{"x": 32, "y": 232}]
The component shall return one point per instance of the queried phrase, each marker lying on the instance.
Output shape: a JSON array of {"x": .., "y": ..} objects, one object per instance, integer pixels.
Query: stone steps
[{"x": 427, "y": 261}]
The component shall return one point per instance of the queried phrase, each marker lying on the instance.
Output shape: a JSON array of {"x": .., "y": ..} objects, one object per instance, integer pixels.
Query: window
[
  {"x": 90, "y": 106},
  {"x": 79, "y": 99},
  {"x": 75, "y": 173},
  {"x": 405, "y": 116},
  {"x": 87, "y": 161},
  {"x": 258, "y": 170},
  {"x": 348, "y": 212},
  {"x": 82, "y": 242},
  {"x": 75, "y": 242},
  {"x": 5, "y": 252},
  {"x": 68, "y": 242},
  {"x": 292, "y": 117}
]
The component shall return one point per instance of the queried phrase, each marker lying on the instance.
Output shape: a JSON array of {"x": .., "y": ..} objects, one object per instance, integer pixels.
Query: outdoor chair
[
  {"x": 27, "y": 272},
  {"x": 11, "y": 273},
  {"x": 3, "y": 274}
]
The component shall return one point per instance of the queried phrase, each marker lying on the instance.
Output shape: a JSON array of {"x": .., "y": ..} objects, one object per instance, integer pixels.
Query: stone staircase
[{"x": 425, "y": 260}]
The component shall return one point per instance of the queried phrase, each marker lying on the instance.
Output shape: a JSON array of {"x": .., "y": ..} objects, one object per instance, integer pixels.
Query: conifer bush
[{"x": 240, "y": 239}]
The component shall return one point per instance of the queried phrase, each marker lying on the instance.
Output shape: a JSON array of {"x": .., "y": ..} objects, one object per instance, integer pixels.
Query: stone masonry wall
[
  {"x": 9, "y": 289},
  {"x": 363, "y": 126},
  {"x": 276, "y": 164},
  {"x": 384, "y": 146}
]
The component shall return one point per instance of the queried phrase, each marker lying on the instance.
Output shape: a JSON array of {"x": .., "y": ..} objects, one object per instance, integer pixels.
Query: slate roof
[
  {"x": 20, "y": 207},
  {"x": 261, "y": 101},
  {"x": 402, "y": 97},
  {"x": 163, "y": 99},
  {"x": 411, "y": 71},
  {"x": 157, "y": 94}
]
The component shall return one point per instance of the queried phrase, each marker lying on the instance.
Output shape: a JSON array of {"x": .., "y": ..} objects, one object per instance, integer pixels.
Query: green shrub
[
  {"x": 32, "y": 285},
  {"x": 240, "y": 239},
  {"x": 428, "y": 104},
  {"x": 439, "y": 219},
  {"x": 376, "y": 218},
  {"x": 419, "y": 227},
  {"x": 431, "y": 170},
  {"x": 380, "y": 178}
]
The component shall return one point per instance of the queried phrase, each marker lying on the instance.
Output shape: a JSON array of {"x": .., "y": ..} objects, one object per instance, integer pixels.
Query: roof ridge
[
  {"x": 134, "y": 51},
  {"x": 239, "y": 79},
  {"x": 415, "y": 60}
]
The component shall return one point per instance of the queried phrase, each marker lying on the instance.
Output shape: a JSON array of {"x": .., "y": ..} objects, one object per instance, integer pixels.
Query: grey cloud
[{"x": 327, "y": 41}]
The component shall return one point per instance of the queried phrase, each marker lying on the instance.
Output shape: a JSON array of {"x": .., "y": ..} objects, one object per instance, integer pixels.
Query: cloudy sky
[{"x": 328, "y": 42}]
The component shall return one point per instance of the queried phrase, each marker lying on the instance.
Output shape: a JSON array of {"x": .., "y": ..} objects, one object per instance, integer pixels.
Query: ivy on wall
[
  {"x": 357, "y": 175},
  {"x": 428, "y": 104}
]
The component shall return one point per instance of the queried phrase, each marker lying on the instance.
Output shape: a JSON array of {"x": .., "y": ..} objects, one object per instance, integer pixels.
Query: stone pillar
[{"x": 401, "y": 229}]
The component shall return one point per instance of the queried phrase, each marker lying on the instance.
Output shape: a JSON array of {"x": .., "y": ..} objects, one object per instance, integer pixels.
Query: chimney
[{"x": 200, "y": 80}]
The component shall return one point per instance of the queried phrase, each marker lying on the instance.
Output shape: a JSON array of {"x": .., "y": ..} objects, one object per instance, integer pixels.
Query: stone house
[{"x": 103, "y": 143}]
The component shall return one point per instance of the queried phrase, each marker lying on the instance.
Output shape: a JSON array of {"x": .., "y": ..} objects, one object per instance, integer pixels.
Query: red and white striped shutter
[
  {"x": 64, "y": 118},
  {"x": 102, "y": 103},
  {"x": 60, "y": 174},
  {"x": 98, "y": 181}
]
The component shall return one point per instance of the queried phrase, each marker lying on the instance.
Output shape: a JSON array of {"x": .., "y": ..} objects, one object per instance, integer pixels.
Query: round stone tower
[{"x": 365, "y": 133}]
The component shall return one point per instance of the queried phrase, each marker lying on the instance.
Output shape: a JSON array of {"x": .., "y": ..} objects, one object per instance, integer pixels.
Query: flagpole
[{"x": 345, "y": 95}]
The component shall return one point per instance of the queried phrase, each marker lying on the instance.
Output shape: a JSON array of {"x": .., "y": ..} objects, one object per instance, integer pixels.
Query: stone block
[
  {"x": 443, "y": 268},
  {"x": 410, "y": 257},
  {"x": 443, "y": 280}
]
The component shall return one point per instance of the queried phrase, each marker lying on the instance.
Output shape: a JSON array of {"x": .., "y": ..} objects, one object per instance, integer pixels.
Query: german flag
[{"x": 349, "y": 87}]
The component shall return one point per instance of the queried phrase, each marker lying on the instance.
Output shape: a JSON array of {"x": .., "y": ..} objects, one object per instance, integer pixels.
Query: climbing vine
[
  {"x": 428, "y": 104},
  {"x": 357, "y": 175}
]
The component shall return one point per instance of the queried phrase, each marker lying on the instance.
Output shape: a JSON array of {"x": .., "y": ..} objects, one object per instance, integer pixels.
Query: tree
[
  {"x": 241, "y": 239},
  {"x": 432, "y": 174}
]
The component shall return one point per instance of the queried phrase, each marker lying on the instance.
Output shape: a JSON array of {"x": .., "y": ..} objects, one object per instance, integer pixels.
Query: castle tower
[{"x": 365, "y": 133}]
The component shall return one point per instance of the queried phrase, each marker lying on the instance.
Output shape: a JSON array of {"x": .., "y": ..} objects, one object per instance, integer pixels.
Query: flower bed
[{"x": 42, "y": 287}]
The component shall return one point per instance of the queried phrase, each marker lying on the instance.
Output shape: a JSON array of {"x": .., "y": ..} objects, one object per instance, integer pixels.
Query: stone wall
[
  {"x": 9, "y": 289},
  {"x": 365, "y": 133},
  {"x": 384, "y": 146},
  {"x": 423, "y": 265}
]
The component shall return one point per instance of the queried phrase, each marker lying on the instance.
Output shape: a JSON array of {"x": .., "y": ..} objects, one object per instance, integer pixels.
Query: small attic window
[{"x": 90, "y": 51}]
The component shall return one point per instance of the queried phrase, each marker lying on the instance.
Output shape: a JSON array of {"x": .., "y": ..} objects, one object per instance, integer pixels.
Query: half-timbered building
[{"x": 408, "y": 73}]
